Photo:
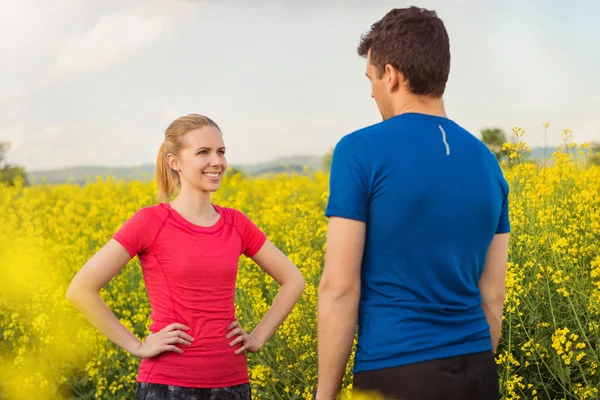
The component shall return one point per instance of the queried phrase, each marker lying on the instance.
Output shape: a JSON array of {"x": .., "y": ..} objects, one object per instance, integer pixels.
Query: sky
[{"x": 97, "y": 83}]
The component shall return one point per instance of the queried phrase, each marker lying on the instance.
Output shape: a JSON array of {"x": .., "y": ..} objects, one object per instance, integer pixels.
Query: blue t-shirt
[{"x": 432, "y": 196}]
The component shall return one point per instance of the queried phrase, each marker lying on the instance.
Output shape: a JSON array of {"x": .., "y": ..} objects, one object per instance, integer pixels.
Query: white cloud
[
  {"x": 113, "y": 37},
  {"x": 10, "y": 93},
  {"x": 171, "y": 114},
  {"x": 21, "y": 141},
  {"x": 34, "y": 147},
  {"x": 30, "y": 26},
  {"x": 49, "y": 132},
  {"x": 15, "y": 135}
]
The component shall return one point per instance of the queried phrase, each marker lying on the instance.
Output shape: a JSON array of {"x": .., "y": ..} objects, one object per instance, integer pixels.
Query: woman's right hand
[{"x": 164, "y": 340}]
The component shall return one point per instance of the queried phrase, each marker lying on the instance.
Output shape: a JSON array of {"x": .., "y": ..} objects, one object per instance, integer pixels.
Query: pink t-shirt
[{"x": 190, "y": 275}]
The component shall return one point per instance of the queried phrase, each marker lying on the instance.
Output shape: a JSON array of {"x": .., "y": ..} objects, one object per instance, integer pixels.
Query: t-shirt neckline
[
  {"x": 414, "y": 114},
  {"x": 190, "y": 225}
]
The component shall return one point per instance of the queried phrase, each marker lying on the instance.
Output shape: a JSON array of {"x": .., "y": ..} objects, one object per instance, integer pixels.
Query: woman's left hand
[{"x": 249, "y": 342}]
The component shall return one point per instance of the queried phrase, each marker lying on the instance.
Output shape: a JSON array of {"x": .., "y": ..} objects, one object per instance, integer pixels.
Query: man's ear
[{"x": 395, "y": 78}]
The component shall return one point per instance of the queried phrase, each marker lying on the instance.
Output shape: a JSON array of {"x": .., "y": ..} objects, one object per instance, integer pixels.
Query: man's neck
[{"x": 421, "y": 105}]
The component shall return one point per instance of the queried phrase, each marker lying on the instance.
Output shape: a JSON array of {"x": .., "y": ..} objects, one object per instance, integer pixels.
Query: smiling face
[{"x": 201, "y": 162}]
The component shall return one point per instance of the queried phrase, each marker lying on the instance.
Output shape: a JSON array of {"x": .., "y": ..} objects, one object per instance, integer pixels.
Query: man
[{"x": 417, "y": 241}]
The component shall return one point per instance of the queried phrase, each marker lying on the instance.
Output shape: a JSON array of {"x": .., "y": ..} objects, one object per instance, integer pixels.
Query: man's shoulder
[
  {"x": 389, "y": 128},
  {"x": 361, "y": 137},
  {"x": 379, "y": 128}
]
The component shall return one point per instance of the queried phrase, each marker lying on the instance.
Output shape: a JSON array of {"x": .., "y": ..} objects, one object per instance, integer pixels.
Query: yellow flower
[{"x": 551, "y": 313}]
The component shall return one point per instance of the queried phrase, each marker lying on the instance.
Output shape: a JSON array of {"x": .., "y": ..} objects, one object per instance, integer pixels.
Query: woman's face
[{"x": 202, "y": 163}]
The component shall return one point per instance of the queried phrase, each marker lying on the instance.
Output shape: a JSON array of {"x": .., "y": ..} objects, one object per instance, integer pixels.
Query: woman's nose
[{"x": 215, "y": 160}]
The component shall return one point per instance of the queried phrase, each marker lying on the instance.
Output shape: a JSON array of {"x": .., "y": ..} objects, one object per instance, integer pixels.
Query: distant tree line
[
  {"x": 495, "y": 138},
  {"x": 10, "y": 173}
]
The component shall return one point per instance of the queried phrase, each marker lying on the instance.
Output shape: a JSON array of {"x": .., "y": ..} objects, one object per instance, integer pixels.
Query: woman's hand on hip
[
  {"x": 249, "y": 342},
  {"x": 164, "y": 340}
]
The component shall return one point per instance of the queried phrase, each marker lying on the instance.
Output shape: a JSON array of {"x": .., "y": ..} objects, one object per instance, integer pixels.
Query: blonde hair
[{"x": 167, "y": 179}]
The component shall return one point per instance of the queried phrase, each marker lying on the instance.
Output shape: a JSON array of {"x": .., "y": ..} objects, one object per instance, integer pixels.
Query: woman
[{"x": 188, "y": 249}]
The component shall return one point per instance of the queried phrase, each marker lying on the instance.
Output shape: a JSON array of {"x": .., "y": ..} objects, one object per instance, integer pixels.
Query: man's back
[
  {"x": 432, "y": 196},
  {"x": 414, "y": 249}
]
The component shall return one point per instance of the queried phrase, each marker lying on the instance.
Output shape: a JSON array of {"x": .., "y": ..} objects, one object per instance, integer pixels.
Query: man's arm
[
  {"x": 339, "y": 294},
  {"x": 493, "y": 285}
]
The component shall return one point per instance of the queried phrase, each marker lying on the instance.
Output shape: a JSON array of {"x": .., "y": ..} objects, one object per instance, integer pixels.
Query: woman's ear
[{"x": 172, "y": 161}]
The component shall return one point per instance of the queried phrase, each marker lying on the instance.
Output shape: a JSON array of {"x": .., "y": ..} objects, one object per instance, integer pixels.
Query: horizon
[
  {"x": 230, "y": 165},
  {"x": 154, "y": 163}
]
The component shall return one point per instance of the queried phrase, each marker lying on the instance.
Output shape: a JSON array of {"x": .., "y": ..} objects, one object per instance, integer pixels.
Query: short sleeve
[
  {"x": 504, "y": 222},
  {"x": 135, "y": 234},
  {"x": 350, "y": 179},
  {"x": 252, "y": 237}
]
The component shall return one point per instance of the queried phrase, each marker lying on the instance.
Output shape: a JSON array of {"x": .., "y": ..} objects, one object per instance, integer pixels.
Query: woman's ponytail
[{"x": 165, "y": 183}]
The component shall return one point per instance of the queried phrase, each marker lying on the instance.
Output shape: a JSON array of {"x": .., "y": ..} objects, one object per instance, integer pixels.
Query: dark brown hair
[{"x": 415, "y": 42}]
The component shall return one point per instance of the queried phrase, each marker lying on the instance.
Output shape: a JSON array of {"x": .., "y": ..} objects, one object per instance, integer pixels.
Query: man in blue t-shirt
[{"x": 417, "y": 242}]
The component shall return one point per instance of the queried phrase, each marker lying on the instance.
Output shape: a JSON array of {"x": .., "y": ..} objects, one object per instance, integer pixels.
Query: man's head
[{"x": 408, "y": 56}]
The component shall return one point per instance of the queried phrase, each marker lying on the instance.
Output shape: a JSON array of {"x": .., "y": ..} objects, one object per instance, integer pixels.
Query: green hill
[{"x": 84, "y": 174}]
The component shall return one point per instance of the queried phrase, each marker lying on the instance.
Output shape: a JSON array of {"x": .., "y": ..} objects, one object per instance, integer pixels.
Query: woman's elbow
[
  {"x": 299, "y": 283},
  {"x": 295, "y": 284},
  {"x": 75, "y": 291},
  {"x": 71, "y": 293}
]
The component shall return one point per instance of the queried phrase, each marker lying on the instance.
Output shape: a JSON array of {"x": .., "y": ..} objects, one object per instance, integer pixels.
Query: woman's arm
[
  {"x": 84, "y": 293},
  {"x": 291, "y": 282}
]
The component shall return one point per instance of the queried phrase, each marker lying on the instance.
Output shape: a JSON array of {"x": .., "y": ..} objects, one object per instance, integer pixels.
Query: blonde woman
[{"x": 189, "y": 249}]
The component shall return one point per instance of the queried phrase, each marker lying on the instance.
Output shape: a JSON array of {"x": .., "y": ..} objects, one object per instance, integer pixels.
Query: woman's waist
[
  {"x": 210, "y": 334},
  {"x": 204, "y": 352},
  {"x": 196, "y": 366},
  {"x": 199, "y": 321}
]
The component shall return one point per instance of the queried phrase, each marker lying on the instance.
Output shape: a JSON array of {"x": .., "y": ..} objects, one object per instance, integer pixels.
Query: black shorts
[
  {"x": 468, "y": 377},
  {"x": 154, "y": 391}
]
